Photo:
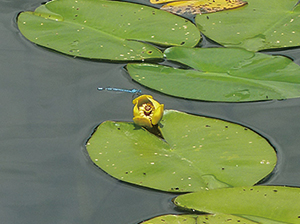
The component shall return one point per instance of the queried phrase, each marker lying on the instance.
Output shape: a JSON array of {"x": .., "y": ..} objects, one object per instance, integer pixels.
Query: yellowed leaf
[
  {"x": 160, "y": 1},
  {"x": 198, "y": 6}
]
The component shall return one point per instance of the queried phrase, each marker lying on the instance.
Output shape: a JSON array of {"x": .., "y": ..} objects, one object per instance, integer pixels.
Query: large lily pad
[
  {"x": 102, "y": 29},
  {"x": 197, "y": 153},
  {"x": 221, "y": 74},
  {"x": 196, "y": 219},
  {"x": 259, "y": 25},
  {"x": 264, "y": 204}
]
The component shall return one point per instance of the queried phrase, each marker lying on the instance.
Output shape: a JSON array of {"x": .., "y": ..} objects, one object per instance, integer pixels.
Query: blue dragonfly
[{"x": 134, "y": 91}]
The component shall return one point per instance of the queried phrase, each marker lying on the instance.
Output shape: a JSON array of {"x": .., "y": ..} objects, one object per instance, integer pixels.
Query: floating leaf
[
  {"x": 195, "y": 219},
  {"x": 171, "y": 219},
  {"x": 221, "y": 74},
  {"x": 265, "y": 204},
  {"x": 259, "y": 25},
  {"x": 196, "y": 153},
  {"x": 198, "y": 6},
  {"x": 102, "y": 29}
]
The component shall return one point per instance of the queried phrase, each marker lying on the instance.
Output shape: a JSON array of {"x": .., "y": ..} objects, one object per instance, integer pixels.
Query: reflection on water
[{"x": 50, "y": 106}]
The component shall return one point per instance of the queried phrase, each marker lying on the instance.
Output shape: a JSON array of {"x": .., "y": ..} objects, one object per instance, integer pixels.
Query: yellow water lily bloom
[{"x": 147, "y": 111}]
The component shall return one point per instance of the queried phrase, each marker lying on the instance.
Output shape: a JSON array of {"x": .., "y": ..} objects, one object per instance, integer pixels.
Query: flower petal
[
  {"x": 154, "y": 103},
  {"x": 136, "y": 110},
  {"x": 142, "y": 121},
  {"x": 142, "y": 99},
  {"x": 157, "y": 115}
]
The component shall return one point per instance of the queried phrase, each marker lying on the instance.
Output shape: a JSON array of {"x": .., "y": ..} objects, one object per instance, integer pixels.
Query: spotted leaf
[
  {"x": 221, "y": 74},
  {"x": 109, "y": 30},
  {"x": 262, "y": 204},
  {"x": 195, "y": 219},
  {"x": 197, "y": 153},
  {"x": 260, "y": 25}
]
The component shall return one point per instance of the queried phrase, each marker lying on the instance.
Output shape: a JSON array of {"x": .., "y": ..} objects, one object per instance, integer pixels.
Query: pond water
[{"x": 50, "y": 106}]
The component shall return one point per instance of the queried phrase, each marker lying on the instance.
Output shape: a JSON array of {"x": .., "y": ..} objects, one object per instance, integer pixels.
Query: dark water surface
[{"x": 49, "y": 107}]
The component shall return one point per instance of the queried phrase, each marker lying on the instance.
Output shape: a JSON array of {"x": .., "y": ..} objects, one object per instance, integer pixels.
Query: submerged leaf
[
  {"x": 103, "y": 29},
  {"x": 196, "y": 153},
  {"x": 264, "y": 204},
  {"x": 199, "y": 6},
  {"x": 259, "y": 25},
  {"x": 221, "y": 74},
  {"x": 195, "y": 219}
]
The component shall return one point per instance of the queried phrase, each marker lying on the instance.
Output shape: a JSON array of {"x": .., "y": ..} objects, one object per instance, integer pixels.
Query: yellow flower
[{"x": 147, "y": 111}]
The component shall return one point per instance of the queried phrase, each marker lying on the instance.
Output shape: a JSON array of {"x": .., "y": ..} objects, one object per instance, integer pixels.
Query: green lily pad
[
  {"x": 194, "y": 219},
  {"x": 196, "y": 153},
  {"x": 221, "y": 74},
  {"x": 256, "y": 26},
  {"x": 101, "y": 29},
  {"x": 264, "y": 204},
  {"x": 170, "y": 219}
]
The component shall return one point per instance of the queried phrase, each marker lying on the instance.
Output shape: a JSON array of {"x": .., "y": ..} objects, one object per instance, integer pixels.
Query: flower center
[{"x": 146, "y": 110}]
